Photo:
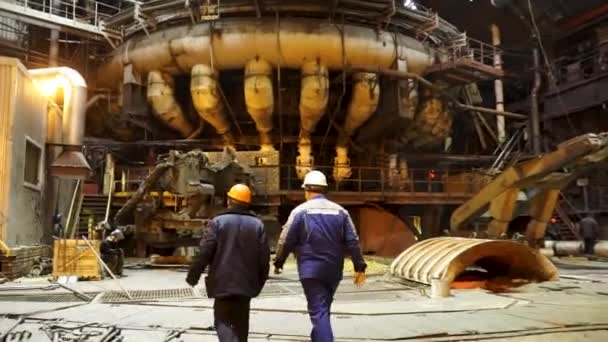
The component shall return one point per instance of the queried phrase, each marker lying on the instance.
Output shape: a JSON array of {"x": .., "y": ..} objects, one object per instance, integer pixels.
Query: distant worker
[
  {"x": 236, "y": 249},
  {"x": 111, "y": 253},
  {"x": 318, "y": 232},
  {"x": 58, "y": 225},
  {"x": 589, "y": 231}
]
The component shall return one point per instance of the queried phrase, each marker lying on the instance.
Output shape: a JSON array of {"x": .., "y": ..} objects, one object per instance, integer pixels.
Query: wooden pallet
[
  {"x": 75, "y": 258},
  {"x": 21, "y": 260}
]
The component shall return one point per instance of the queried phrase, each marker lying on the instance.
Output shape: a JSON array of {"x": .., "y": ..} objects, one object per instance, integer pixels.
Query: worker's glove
[
  {"x": 359, "y": 278},
  {"x": 191, "y": 280}
]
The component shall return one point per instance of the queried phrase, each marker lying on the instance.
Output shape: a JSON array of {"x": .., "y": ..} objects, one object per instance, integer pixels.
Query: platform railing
[
  {"x": 86, "y": 15},
  {"x": 466, "y": 48},
  {"x": 378, "y": 180}
]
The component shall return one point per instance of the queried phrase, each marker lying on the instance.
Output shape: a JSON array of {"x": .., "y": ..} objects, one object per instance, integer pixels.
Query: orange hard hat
[{"x": 240, "y": 192}]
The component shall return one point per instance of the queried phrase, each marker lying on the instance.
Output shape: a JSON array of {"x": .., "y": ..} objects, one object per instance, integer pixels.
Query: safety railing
[
  {"x": 378, "y": 180},
  {"x": 271, "y": 179},
  {"x": 571, "y": 69},
  {"x": 84, "y": 15},
  {"x": 466, "y": 48},
  {"x": 89, "y": 11}
]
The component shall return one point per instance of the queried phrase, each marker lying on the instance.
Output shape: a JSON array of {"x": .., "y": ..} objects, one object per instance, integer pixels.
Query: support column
[
  {"x": 502, "y": 209},
  {"x": 498, "y": 88},
  {"x": 541, "y": 209}
]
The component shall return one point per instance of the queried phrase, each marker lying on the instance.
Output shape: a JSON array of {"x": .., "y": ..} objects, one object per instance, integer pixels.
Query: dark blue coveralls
[
  {"x": 319, "y": 231},
  {"x": 236, "y": 249}
]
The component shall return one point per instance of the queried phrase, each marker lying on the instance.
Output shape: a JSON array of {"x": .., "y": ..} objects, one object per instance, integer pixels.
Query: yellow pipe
[
  {"x": 207, "y": 100},
  {"x": 313, "y": 102},
  {"x": 363, "y": 103},
  {"x": 237, "y": 41},
  {"x": 164, "y": 104},
  {"x": 259, "y": 98}
]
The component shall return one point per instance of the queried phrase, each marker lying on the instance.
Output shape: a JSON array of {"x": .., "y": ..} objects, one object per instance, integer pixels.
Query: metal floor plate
[
  {"x": 145, "y": 295},
  {"x": 45, "y": 298}
]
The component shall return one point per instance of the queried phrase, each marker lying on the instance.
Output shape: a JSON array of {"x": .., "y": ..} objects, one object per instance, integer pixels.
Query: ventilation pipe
[
  {"x": 71, "y": 163},
  {"x": 164, "y": 104},
  {"x": 363, "y": 104},
  {"x": 313, "y": 102},
  {"x": 207, "y": 100},
  {"x": 498, "y": 88},
  {"x": 259, "y": 98}
]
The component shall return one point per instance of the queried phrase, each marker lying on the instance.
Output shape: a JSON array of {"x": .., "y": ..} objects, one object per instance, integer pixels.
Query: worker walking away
[
  {"x": 589, "y": 232},
  {"x": 236, "y": 249},
  {"x": 319, "y": 231},
  {"x": 111, "y": 254}
]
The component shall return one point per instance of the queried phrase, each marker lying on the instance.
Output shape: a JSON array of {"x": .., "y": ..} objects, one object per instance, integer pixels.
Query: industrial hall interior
[{"x": 278, "y": 170}]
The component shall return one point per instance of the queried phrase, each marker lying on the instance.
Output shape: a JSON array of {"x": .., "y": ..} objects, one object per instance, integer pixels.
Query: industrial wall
[{"x": 25, "y": 205}]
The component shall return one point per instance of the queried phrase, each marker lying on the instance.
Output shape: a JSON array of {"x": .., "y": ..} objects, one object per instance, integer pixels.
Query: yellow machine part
[
  {"x": 4, "y": 249},
  {"x": 447, "y": 257},
  {"x": 540, "y": 178}
]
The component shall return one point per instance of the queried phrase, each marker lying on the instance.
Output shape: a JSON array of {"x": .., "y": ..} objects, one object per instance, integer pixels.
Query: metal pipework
[
  {"x": 534, "y": 114},
  {"x": 237, "y": 41},
  {"x": 259, "y": 99},
  {"x": 364, "y": 102},
  {"x": 207, "y": 100},
  {"x": 165, "y": 106},
  {"x": 71, "y": 163},
  {"x": 313, "y": 102},
  {"x": 498, "y": 88},
  {"x": 565, "y": 248}
]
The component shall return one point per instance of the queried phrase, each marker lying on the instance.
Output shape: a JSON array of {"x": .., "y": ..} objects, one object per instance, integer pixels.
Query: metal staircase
[{"x": 566, "y": 228}]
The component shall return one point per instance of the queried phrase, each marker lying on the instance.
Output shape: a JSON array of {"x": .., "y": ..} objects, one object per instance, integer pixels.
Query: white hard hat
[
  {"x": 118, "y": 234},
  {"x": 315, "y": 178}
]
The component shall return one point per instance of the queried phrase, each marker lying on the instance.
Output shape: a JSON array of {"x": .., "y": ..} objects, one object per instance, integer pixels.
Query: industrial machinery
[
  {"x": 528, "y": 188},
  {"x": 172, "y": 205}
]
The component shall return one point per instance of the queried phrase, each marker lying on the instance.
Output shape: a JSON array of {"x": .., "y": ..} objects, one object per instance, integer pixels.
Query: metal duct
[
  {"x": 237, "y": 41},
  {"x": 363, "y": 103},
  {"x": 71, "y": 163},
  {"x": 207, "y": 100},
  {"x": 313, "y": 102},
  {"x": 165, "y": 106},
  {"x": 259, "y": 98}
]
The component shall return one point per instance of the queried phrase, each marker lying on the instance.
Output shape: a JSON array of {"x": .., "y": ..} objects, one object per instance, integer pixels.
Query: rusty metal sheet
[{"x": 447, "y": 257}]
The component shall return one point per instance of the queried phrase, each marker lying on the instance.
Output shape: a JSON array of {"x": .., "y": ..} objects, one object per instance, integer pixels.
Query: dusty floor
[{"x": 572, "y": 309}]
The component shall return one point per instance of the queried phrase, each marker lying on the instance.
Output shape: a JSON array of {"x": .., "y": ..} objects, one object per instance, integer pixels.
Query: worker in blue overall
[
  {"x": 319, "y": 231},
  {"x": 236, "y": 249}
]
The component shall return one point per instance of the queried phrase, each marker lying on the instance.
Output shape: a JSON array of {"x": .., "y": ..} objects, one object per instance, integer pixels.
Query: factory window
[{"x": 33, "y": 164}]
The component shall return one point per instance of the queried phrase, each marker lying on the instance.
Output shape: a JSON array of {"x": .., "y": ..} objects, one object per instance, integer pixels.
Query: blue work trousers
[{"x": 320, "y": 295}]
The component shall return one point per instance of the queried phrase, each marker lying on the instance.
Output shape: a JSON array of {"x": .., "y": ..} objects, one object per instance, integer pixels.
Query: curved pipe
[
  {"x": 313, "y": 102},
  {"x": 364, "y": 102},
  {"x": 207, "y": 101},
  {"x": 165, "y": 106},
  {"x": 259, "y": 98},
  {"x": 71, "y": 163},
  {"x": 237, "y": 41}
]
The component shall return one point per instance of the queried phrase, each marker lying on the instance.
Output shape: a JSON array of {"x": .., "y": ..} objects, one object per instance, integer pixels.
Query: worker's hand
[
  {"x": 359, "y": 278},
  {"x": 191, "y": 280},
  {"x": 278, "y": 270}
]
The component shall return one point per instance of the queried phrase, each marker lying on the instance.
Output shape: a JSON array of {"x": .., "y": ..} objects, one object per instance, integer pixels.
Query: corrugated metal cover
[{"x": 447, "y": 257}]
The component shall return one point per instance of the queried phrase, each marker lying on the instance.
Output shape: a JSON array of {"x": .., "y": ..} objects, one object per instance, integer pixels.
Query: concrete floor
[{"x": 575, "y": 308}]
